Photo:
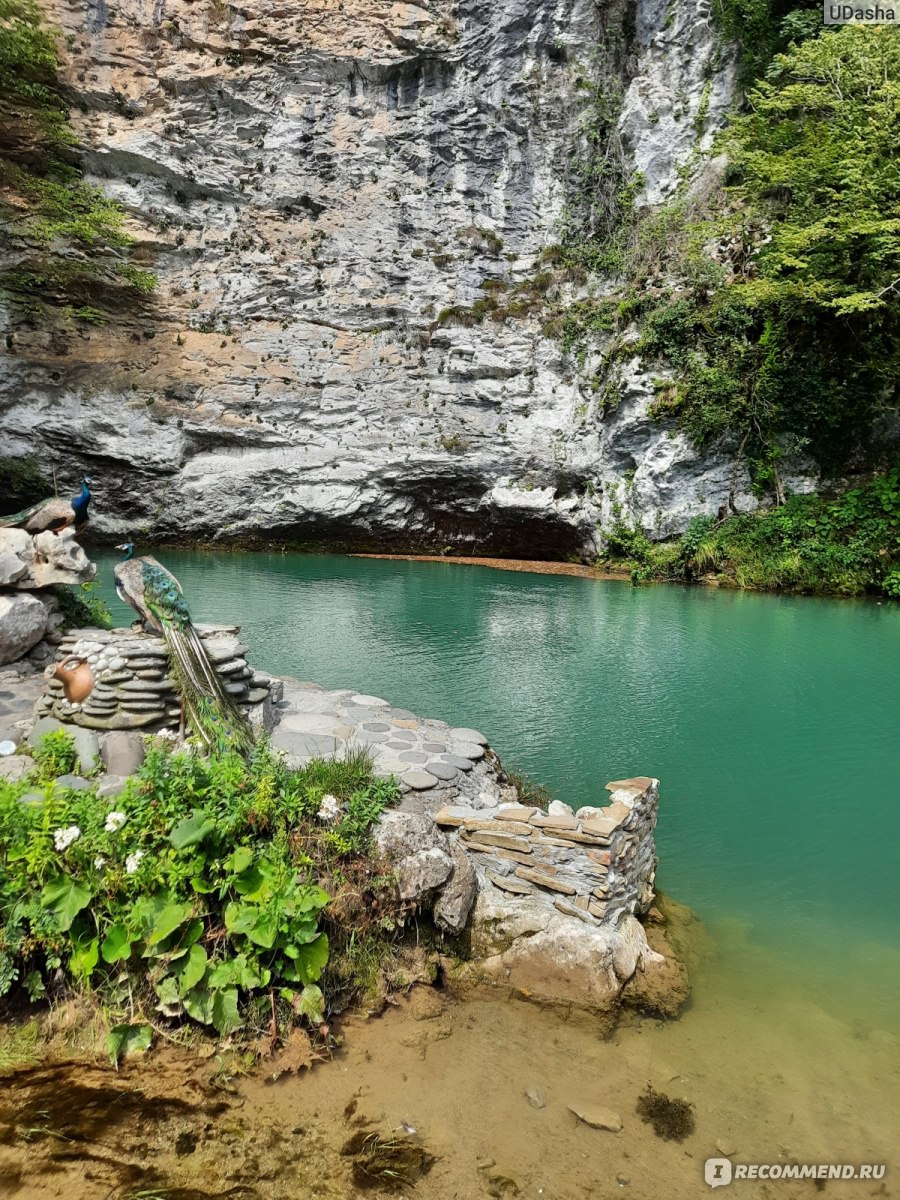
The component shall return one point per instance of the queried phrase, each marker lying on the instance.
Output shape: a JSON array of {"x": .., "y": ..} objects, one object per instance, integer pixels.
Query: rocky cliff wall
[{"x": 313, "y": 183}]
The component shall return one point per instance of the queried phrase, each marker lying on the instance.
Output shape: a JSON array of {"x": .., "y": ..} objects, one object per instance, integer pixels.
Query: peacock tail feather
[
  {"x": 19, "y": 518},
  {"x": 211, "y": 712},
  {"x": 156, "y": 595}
]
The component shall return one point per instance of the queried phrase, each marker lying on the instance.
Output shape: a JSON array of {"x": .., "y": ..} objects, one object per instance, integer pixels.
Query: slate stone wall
[{"x": 595, "y": 864}]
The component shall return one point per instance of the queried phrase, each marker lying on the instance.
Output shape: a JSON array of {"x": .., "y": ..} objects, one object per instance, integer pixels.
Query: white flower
[
  {"x": 131, "y": 862},
  {"x": 114, "y": 821},
  {"x": 63, "y": 838},
  {"x": 329, "y": 809},
  {"x": 99, "y": 862}
]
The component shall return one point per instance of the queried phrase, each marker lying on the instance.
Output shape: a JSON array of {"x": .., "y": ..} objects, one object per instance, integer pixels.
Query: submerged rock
[{"x": 597, "y": 1117}]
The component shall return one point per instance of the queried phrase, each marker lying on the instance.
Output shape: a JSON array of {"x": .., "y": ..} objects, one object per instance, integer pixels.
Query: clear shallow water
[{"x": 773, "y": 723}]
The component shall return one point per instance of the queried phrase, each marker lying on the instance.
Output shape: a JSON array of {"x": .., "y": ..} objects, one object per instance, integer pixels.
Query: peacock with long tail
[
  {"x": 54, "y": 513},
  {"x": 157, "y": 597}
]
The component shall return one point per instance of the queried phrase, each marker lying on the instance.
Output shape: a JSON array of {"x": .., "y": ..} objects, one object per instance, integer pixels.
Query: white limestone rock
[
  {"x": 308, "y": 220},
  {"x": 41, "y": 561},
  {"x": 23, "y": 622}
]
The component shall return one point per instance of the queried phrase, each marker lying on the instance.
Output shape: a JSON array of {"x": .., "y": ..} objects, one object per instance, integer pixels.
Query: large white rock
[
  {"x": 529, "y": 947},
  {"x": 43, "y": 560},
  {"x": 309, "y": 215},
  {"x": 23, "y": 621}
]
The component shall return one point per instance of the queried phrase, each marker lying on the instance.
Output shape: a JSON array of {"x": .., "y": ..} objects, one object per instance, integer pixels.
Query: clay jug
[{"x": 76, "y": 677}]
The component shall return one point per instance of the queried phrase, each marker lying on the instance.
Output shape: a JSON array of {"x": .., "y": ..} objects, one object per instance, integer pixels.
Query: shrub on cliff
[
  {"x": 196, "y": 893},
  {"x": 64, "y": 239},
  {"x": 797, "y": 344},
  {"x": 847, "y": 545}
]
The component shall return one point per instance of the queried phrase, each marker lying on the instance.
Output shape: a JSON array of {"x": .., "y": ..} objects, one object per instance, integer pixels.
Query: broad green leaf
[
  {"x": 223, "y": 974},
  {"x": 311, "y": 1004},
  {"x": 240, "y": 860},
  {"x": 166, "y": 921},
  {"x": 167, "y": 991},
  {"x": 256, "y": 924},
  {"x": 84, "y": 958},
  {"x": 302, "y": 932},
  {"x": 310, "y": 898},
  {"x": 193, "y": 970},
  {"x": 65, "y": 898},
  {"x": 310, "y": 963},
  {"x": 264, "y": 930},
  {"x": 128, "y": 1039},
  {"x": 225, "y": 1016},
  {"x": 198, "y": 1003},
  {"x": 192, "y": 830},
  {"x": 116, "y": 945},
  {"x": 251, "y": 883}
]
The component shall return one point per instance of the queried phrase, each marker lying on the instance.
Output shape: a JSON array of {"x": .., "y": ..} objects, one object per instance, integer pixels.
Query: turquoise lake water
[{"x": 772, "y": 722}]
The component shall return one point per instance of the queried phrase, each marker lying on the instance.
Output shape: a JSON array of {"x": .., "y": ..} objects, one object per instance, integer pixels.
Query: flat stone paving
[
  {"x": 20, "y": 686},
  {"x": 422, "y": 754}
]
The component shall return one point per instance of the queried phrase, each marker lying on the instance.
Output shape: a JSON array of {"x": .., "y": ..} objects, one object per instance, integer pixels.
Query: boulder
[
  {"x": 597, "y": 1116},
  {"x": 422, "y": 873},
  {"x": 75, "y": 782},
  {"x": 453, "y": 905},
  {"x": 42, "y": 726},
  {"x": 122, "y": 752},
  {"x": 59, "y": 558},
  {"x": 552, "y": 958},
  {"x": 418, "y": 852},
  {"x": 87, "y": 747},
  {"x": 14, "y": 767},
  {"x": 23, "y": 621}
]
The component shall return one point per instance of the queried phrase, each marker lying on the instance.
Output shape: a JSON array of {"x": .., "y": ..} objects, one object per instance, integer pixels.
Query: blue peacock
[
  {"x": 54, "y": 513},
  {"x": 156, "y": 596}
]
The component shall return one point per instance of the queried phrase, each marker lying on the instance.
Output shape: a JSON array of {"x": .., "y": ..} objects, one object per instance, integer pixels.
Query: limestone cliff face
[{"x": 313, "y": 181}]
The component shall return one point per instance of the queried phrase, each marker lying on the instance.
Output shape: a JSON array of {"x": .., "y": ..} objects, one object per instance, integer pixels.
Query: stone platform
[
  {"x": 424, "y": 755},
  {"x": 550, "y": 903}
]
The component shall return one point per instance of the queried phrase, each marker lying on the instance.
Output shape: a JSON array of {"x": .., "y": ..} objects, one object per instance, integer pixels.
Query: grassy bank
[
  {"x": 212, "y": 892},
  {"x": 846, "y": 546}
]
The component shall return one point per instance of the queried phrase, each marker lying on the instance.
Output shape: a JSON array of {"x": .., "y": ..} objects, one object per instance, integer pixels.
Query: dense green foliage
[
  {"x": 66, "y": 237},
  {"x": 80, "y": 607},
  {"x": 764, "y": 28},
  {"x": 789, "y": 340},
  {"x": 21, "y": 484},
  {"x": 196, "y": 892},
  {"x": 849, "y": 545}
]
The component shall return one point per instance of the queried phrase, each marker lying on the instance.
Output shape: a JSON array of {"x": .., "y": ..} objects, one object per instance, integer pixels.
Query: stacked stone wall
[
  {"x": 594, "y": 865},
  {"x": 132, "y": 687}
]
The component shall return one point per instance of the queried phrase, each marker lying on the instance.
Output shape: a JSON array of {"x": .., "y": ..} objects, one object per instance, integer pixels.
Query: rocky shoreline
[{"x": 545, "y": 904}]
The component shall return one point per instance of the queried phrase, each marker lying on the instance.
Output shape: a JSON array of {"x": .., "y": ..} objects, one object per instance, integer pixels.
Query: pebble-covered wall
[
  {"x": 132, "y": 688},
  {"x": 594, "y": 864}
]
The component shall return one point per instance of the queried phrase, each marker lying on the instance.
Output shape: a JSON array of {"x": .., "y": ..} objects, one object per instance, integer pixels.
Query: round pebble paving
[
  {"x": 415, "y": 756},
  {"x": 368, "y": 735},
  {"x": 376, "y": 726},
  {"x": 468, "y": 749},
  {"x": 456, "y": 760},
  {"x": 398, "y": 745},
  {"x": 442, "y": 770},
  {"x": 354, "y": 713},
  {"x": 468, "y": 735},
  {"x": 435, "y": 747},
  {"x": 369, "y": 701},
  {"x": 420, "y": 780}
]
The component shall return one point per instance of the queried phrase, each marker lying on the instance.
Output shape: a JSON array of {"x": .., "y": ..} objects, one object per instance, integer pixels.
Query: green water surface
[{"x": 772, "y": 722}]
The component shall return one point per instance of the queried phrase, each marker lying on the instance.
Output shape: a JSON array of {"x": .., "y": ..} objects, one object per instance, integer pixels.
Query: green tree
[{"x": 798, "y": 341}]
